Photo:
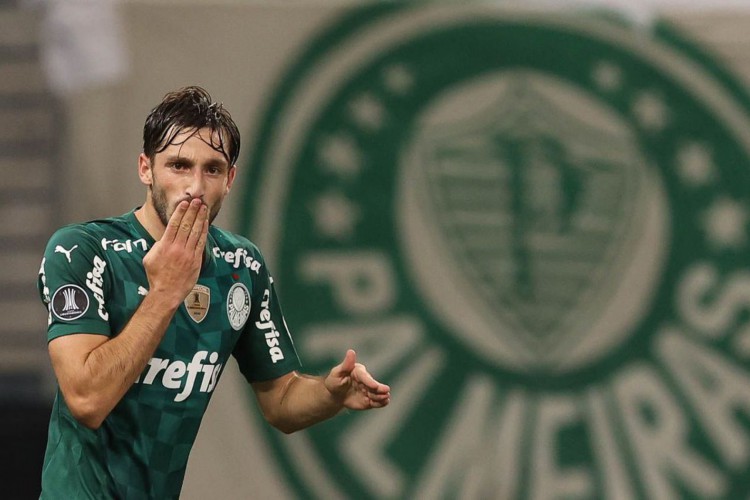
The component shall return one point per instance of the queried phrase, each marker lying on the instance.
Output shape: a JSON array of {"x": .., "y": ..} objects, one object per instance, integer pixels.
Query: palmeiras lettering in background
[{"x": 535, "y": 229}]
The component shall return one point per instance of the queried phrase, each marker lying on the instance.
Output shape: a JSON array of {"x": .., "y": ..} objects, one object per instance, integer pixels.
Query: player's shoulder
[
  {"x": 228, "y": 241},
  {"x": 87, "y": 233}
]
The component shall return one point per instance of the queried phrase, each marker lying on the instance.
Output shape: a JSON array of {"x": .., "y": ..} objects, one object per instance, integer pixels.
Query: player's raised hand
[
  {"x": 351, "y": 384},
  {"x": 174, "y": 262}
]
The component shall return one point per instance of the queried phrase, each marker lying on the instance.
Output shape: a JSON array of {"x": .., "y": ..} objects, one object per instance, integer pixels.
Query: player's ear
[
  {"x": 144, "y": 170},
  {"x": 230, "y": 178}
]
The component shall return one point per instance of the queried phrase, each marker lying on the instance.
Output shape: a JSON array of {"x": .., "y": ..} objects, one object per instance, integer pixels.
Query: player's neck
[{"x": 149, "y": 219}]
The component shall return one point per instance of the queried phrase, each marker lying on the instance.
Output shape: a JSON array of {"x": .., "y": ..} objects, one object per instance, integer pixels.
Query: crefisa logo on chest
[{"x": 536, "y": 230}]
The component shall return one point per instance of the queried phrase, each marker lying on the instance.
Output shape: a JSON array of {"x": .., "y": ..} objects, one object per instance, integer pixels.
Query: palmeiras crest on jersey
[
  {"x": 238, "y": 305},
  {"x": 534, "y": 229}
]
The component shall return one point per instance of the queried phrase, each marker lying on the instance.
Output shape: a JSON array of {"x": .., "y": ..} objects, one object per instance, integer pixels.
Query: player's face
[{"x": 188, "y": 168}]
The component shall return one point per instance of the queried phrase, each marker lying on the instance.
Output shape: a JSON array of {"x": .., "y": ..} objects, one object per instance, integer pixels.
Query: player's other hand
[{"x": 352, "y": 385}]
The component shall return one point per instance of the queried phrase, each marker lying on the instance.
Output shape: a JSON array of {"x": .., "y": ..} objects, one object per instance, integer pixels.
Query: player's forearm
[
  {"x": 305, "y": 402},
  {"x": 112, "y": 368}
]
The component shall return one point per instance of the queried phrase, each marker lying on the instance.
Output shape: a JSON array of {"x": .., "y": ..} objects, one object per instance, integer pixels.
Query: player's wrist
[{"x": 164, "y": 299}]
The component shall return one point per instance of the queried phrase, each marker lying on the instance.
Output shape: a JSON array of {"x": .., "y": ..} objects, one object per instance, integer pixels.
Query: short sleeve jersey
[{"x": 92, "y": 280}]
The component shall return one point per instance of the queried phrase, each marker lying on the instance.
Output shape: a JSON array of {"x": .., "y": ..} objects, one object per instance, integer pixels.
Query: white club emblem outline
[{"x": 238, "y": 313}]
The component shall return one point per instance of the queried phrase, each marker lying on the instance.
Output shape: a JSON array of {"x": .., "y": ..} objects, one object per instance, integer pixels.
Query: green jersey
[{"x": 92, "y": 280}]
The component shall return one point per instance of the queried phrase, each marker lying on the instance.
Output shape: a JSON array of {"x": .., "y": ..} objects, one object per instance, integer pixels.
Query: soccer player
[{"x": 145, "y": 309}]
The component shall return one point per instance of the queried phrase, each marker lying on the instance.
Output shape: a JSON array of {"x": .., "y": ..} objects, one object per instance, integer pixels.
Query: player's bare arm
[
  {"x": 296, "y": 401},
  {"x": 94, "y": 371}
]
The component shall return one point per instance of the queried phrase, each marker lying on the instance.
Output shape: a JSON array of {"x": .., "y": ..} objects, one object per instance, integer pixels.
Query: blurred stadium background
[{"x": 530, "y": 218}]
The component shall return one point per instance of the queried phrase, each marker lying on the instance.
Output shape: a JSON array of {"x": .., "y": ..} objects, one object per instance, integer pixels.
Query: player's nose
[{"x": 197, "y": 186}]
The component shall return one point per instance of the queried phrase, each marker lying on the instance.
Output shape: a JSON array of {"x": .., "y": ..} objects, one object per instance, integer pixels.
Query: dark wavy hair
[{"x": 190, "y": 109}]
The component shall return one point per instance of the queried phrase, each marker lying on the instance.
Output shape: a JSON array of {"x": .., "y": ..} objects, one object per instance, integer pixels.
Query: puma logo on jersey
[
  {"x": 181, "y": 376},
  {"x": 62, "y": 250}
]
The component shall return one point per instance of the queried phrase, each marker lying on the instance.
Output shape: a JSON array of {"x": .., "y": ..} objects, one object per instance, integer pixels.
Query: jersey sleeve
[
  {"x": 265, "y": 350},
  {"x": 73, "y": 283}
]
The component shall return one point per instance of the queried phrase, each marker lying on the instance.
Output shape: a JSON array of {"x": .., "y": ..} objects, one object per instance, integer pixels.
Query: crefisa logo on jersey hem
[
  {"x": 69, "y": 302},
  {"x": 548, "y": 252},
  {"x": 238, "y": 305}
]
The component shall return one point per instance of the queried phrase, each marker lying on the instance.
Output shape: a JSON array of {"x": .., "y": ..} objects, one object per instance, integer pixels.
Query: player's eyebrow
[
  {"x": 219, "y": 163},
  {"x": 178, "y": 159}
]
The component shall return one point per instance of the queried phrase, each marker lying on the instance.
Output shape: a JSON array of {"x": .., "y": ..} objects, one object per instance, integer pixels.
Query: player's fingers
[
  {"x": 202, "y": 238},
  {"x": 186, "y": 224},
  {"x": 197, "y": 229},
  {"x": 380, "y": 398},
  {"x": 344, "y": 368},
  {"x": 349, "y": 362},
  {"x": 362, "y": 376},
  {"x": 379, "y": 404},
  {"x": 173, "y": 227}
]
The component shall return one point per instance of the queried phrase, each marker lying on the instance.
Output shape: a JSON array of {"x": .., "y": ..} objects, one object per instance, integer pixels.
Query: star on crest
[
  {"x": 725, "y": 223},
  {"x": 741, "y": 343},
  {"x": 335, "y": 216},
  {"x": 398, "y": 79},
  {"x": 340, "y": 155},
  {"x": 650, "y": 111},
  {"x": 368, "y": 111},
  {"x": 695, "y": 164},
  {"x": 607, "y": 76}
]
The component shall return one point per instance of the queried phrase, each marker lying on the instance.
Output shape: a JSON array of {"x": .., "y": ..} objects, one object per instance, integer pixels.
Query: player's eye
[{"x": 177, "y": 165}]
